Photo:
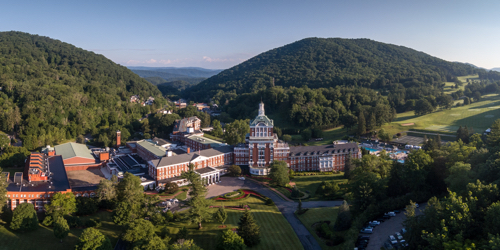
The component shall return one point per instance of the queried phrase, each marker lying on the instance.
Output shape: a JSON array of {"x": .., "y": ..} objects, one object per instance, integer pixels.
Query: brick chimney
[
  {"x": 118, "y": 138},
  {"x": 188, "y": 150}
]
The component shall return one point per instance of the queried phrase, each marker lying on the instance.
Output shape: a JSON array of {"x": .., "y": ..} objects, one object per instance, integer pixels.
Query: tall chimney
[
  {"x": 188, "y": 150},
  {"x": 118, "y": 138}
]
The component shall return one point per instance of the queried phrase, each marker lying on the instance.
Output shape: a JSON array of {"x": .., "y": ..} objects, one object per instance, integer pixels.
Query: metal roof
[
  {"x": 262, "y": 118},
  {"x": 71, "y": 149},
  {"x": 324, "y": 149},
  {"x": 205, "y": 140},
  {"x": 154, "y": 149},
  {"x": 182, "y": 158}
]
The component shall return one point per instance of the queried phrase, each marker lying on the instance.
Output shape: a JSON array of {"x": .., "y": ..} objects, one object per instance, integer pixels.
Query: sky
[{"x": 220, "y": 34}]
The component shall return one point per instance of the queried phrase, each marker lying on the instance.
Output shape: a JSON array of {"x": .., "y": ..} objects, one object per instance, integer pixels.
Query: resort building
[{"x": 262, "y": 147}]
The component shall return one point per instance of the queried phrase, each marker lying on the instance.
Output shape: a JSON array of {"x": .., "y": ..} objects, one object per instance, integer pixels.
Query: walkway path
[{"x": 287, "y": 208}]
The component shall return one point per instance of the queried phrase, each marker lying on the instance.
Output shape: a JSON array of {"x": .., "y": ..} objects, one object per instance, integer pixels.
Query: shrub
[
  {"x": 74, "y": 221},
  {"x": 296, "y": 193},
  {"x": 338, "y": 240},
  {"x": 86, "y": 206},
  {"x": 171, "y": 188},
  {"x": 325, "y": 231},
  {"x": 269, "y": 202},
  {"x": 93, "y": 223}
]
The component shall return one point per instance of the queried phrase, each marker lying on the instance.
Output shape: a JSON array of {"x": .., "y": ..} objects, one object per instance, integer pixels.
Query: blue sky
[{"x": 220, "y": 34}]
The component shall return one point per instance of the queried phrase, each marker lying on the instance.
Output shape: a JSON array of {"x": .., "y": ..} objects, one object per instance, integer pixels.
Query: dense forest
[
  {"x": 369, "y": 73},
  {"x": 52, "y": 91}
]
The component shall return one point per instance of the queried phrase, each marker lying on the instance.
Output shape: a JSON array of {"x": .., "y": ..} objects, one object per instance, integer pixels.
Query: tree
[
  {"x": 61, "y": 204},
  {"x": 80, "y": 139},
  {"x": 384, "y": 136},
  {"x": 217, "y": 132},
  {"x": 466, "y": 100},
  {"x": 361, "y": 124},
  {"x": 3, "y": 191},
  {"x": 460, "y": 176},
  {"x": 129, "y": 189},
  {"x": 199, "y": 210},
  {"x": 86, "y": 206},
  {"x": 287, "y": 138},
  {"x": 492, "y": 219},
  {"x": 24, "y": 218},
  {"x": 182, "y": 234},
  {"x": 423, "y": 107},
  {"x": 93, "y": 239},
  {"x": 234, "y": 170},
  {"x": 126, "y": 212},
  {"x": 348, "y": 167},
  {"x": 236, "y": 132},
  {"x": 4, "y": 141},
  {"x": 185, "y": 245},
  {"x": 306, "y": 134},
  {"x": 221, "y": 215},
  {"x": 494, "y": 136},
  {"x": 248, "y": 229},
  {"x": 139, "y": 230},
  {"x": 171, "y": 187},
  {"x": 343, "y": 221},
  {"x": 229, "y": 240},
  {"x": 279, "y": 173},
  {"x": 61, "y": 228},
  {"x": 106, "y": 190},
  {"x": 372, "y": 122}
]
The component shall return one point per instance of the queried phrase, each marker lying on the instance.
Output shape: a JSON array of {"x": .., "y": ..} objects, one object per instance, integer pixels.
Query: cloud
[
  {"x": 122, "y": 50},
  {"x": 209, "y": 59}
]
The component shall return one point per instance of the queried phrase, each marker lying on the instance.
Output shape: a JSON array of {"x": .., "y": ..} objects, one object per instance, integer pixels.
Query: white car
[
  {"x": 241, "y": 178},
  {"x": 375, "y": 222},
  {"x": 392, "y": 214},
  {"x": 399, "y": 236},
  {"x": 393, "y": 240}
]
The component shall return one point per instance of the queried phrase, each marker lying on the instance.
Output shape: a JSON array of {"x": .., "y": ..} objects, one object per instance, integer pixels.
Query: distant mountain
[
  {"x": 328, "y": 62},
  {"x": 176, "y": 72},
  {"x": 496, "y": 69}
]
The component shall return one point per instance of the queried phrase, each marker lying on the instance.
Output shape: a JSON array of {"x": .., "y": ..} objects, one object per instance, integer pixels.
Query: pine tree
[
  {"x": 248, "y": 229},
  {"x": 361, "y": 124},
  {"x": 229, "y": 240},
  {"x": 372, "y": 122},
  {"x": 348, "y": 167},
  {"x": 221, "y": 215}
]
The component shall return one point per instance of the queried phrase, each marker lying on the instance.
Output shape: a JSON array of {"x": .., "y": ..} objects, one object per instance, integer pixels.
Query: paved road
[
  {"x": 287, "y": 208},
  {"x": 389, "y": 227}
]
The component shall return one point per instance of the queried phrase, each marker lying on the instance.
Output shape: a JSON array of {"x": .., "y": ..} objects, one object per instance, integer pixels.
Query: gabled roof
[
  {"x": 71, "y": 149},
  {"x": 193, "y": 156}
]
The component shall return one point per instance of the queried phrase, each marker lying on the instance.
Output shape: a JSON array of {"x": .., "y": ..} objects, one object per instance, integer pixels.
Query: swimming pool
[{"x": 371, "y": 149}]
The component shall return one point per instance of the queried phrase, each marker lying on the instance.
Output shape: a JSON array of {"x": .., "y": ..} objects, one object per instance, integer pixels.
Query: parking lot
[{"x": 389, "y": 227}]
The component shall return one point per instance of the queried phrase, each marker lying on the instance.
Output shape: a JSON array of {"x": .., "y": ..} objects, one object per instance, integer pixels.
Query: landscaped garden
[
  {"x": 310, "y": 184},
  {"x": 275, "y": 231}
]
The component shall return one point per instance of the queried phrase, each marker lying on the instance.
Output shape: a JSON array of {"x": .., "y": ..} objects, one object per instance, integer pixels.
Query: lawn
[
  {"x": 329, "y": 136},
  {"x": 478, "y": 115},
  {"x": 310, "y": 184},
  {"x": 213, "y": 138},
  {"x": 182, "y": 196},
  {"x": 314, "y": 215},
  {"x": 275, "y": 231},
  {"x": 43, "y": 237}
]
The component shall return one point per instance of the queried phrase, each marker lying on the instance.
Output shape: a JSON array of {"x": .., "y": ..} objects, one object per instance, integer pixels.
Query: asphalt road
[
  {"x": 389, "y": 227},
  {"x": 287, "y": 208}
]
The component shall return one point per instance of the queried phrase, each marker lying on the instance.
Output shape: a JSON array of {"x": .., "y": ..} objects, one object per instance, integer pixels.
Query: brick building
[
  {"x": 188, "y": 131},
  {"x": 76, "y": 156},
  {"x": 209, "y": 163},
  {"x": 263, "y": 147}
]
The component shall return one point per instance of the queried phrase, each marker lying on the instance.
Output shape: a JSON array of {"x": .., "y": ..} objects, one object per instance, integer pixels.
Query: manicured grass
[
  {"x": 182, "y": 196},
  {"x": 478, "y": 115},
  {"x": 314, "y": 215},
  {"x": 275, "y": 231},
  {"x": 213, "y": 137},
  {"x": 310, "y": 184},
  {"x": 329, "y": 135},
  {"x": 43, "y": 237}
]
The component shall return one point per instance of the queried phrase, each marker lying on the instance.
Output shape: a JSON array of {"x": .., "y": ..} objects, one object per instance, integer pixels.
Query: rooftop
[
  {"x": 323, "y": 149},
  {"x": 205, "y": 140},
  {"x": 154, "y": 149},
  {"x": 182, "y": 158},
  {"x": 71, "y": 149},
  {"x": 58, "y": 178}
]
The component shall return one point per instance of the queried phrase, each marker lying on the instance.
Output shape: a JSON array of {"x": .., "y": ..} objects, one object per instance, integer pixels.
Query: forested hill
[
  {"x": 319, "y": 62},
  {"x": 52, "y": 91}
]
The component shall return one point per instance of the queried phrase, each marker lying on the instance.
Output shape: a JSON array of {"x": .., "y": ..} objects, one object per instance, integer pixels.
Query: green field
[
  {"x": 182, "y": 196},
  {"x": 329, "y": 135},
  {"x": 478, "y": 115},
  {"x": 310, "y": 184},
  {"x": 43, "y": 237},
  {"x": 320, "y": 214},
  {"x": 275, "y": 231},
  {"x": 448, "y": 90}
]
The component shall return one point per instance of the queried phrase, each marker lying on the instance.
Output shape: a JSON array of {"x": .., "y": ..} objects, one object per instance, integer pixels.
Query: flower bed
[{"x": 244, "y": 193}]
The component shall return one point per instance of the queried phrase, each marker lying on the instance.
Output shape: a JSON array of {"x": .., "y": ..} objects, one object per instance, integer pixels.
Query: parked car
[
  {"x": 393, "y": 240},
  {"x": 387, "y": 245},
  {"x": 386, "y": 216},
  {"x": 366, "y": 231},
  {"x": 403, "y": 230},
  {"x": 363, "y": 237},
  {"x": 397, "y": 211},
  {"x": 241, "y": 178},
  {"x": 375, "y": 222},
  {"x": 399, "y": 236},
  {"x": 391, "y": 214}
]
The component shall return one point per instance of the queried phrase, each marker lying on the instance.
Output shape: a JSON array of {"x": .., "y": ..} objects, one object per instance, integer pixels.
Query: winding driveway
[{"x": 287, "y": 208}]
